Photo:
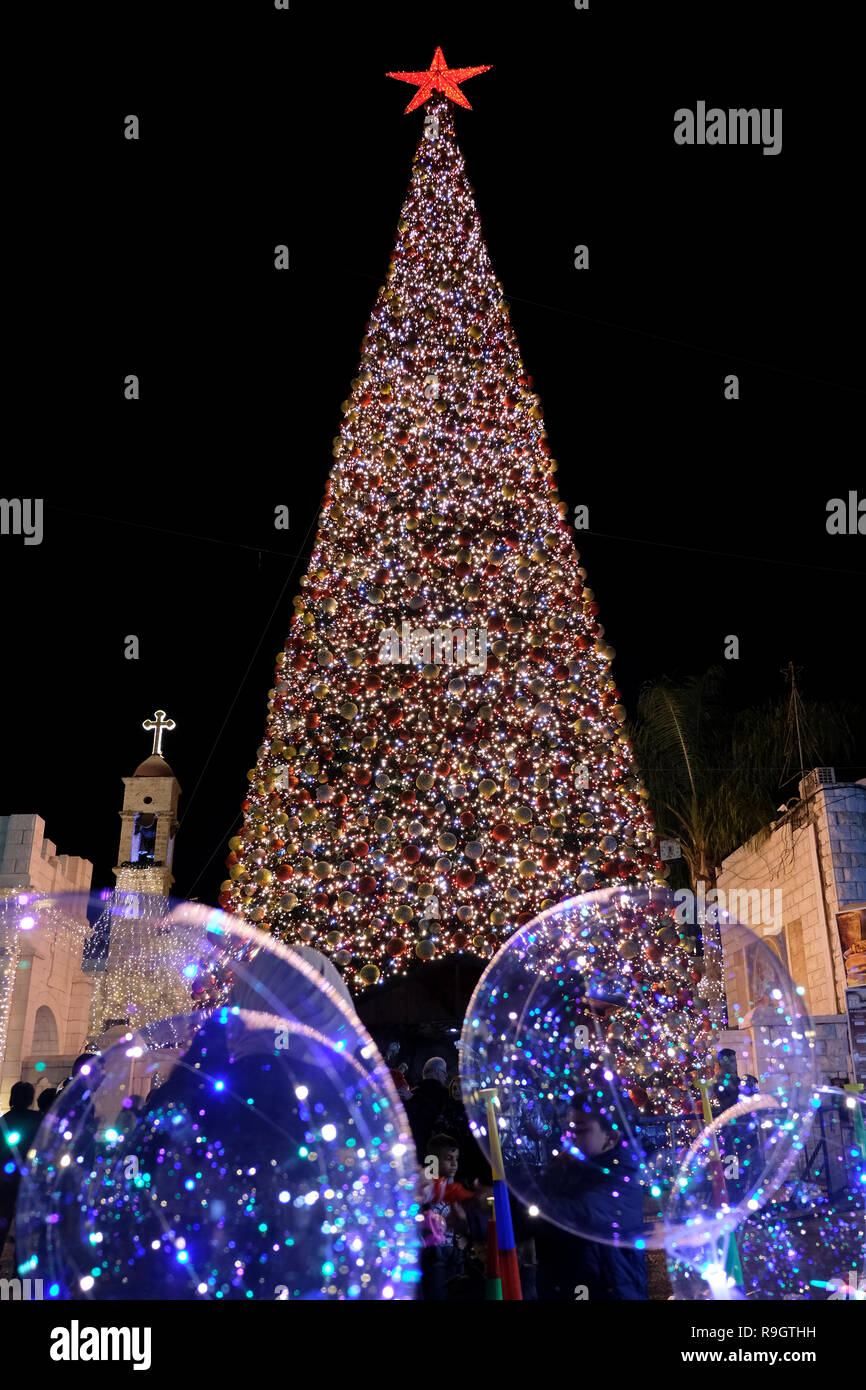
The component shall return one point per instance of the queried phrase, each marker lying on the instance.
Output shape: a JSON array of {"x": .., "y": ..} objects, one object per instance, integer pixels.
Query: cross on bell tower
[{"x": 159, "y": 724}]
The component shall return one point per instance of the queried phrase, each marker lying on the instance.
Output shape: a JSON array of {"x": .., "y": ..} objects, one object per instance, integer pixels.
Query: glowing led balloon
[
  {"x": 587, "y": 1034},
  {"x": 806, "y": 1240},
  {"x": 730, "y": 1171},
  {"x": 251, "y": 1148},
  {"x": 133, "y": 959}
]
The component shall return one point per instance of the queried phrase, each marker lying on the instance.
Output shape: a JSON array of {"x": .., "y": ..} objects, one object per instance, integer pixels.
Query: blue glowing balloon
[
  {"x": 253, "y": 1148},
  {"x": 806, "y": 1239},
  {"x": 589, "y": 1047}
]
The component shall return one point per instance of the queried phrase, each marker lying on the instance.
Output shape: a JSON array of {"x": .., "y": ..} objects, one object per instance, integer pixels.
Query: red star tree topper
[
  {"x": 444, "y": 755},
  {"x": 438, "y": 78}
]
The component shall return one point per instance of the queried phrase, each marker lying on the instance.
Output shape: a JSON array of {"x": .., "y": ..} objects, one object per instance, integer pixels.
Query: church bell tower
[
  {"x": 149, "y": 820},
  {"x": 141, "y": 979}
]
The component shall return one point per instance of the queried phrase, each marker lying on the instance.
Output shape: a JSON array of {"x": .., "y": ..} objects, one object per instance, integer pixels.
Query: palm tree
[{"x": 713, "y": 774}]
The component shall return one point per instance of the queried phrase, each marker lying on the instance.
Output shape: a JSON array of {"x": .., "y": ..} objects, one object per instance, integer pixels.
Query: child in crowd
[{"x": 446, "y": 1223}]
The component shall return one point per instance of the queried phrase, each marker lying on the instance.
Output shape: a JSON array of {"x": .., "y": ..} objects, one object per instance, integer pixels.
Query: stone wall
[
  {"x": 814, "y": 860},
  {"x": 29, "y": 860},
  {"x": 842, "y": 850},
  {"x": 830, "y": 1058},
  {"x": 47, "y": 970}
]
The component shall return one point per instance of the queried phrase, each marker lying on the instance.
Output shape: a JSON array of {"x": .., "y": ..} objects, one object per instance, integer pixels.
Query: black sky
[{"x": 261, "y": 127}]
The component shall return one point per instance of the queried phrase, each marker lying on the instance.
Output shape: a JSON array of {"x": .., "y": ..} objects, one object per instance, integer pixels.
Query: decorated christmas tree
[{"x": 444, "y": 754}]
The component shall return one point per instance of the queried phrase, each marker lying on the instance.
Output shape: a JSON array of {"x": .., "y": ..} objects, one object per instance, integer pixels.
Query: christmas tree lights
[{"x": 444, "y": 755}]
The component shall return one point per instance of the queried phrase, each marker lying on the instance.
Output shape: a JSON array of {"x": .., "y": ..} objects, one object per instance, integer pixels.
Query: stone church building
[
  {"x": 811, "y": 863},
  {"x": 56, "y": 994}
]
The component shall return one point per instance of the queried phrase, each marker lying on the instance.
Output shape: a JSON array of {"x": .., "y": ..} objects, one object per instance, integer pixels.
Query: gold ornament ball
[{"x": 425, "y": 950}]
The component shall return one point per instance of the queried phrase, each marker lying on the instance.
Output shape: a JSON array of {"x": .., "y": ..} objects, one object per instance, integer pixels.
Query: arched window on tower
[
  {"x": 45, "y": 1036},
  {"x": 143, "y": 838}
]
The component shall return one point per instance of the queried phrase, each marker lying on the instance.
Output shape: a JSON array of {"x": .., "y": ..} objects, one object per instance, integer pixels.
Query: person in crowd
[
  {"x": 591, "y": 1186},
  {"x": 128, "y": 1115},
  {"x": 21, "y": 1121},
  {"x": 46, "y": 1099},
  {"x": 723, "y": 1093},
  {"x": 17, "y": 1128},
  {"x": 454, "y": 1120},
  {"x": 527, "y": 1265},
  {"x": 401, "y": 1085},
  {"x": 87, "y": 1059},
  {"x": 725, "y": 1090},
  {"x": 89, "y": 1070},
  {"x": 426, "y": 1103},
  {"x": 740, "y": 1138},
  {"x": 446, "y": 1230}
]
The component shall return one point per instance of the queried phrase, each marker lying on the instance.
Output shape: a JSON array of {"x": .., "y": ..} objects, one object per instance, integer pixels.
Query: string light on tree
[{"x": 498, "y": 788}]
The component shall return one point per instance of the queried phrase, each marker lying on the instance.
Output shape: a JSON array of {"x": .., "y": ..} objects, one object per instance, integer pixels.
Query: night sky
[{"x": 258, "y": 127}]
